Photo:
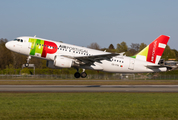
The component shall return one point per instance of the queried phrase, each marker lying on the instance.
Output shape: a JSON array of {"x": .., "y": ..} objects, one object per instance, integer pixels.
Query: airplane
[{"x": 62, "y": 55}]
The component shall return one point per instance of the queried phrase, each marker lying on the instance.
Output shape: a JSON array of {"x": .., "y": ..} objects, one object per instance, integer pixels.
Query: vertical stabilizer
[{"x": 153, "y": 52}]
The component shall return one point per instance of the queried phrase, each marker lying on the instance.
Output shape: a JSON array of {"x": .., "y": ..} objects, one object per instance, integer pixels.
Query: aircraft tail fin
[{"x": 153, "y": 52}]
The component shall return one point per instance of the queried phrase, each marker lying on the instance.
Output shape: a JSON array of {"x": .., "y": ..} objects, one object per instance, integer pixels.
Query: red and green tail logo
[{"x": 153, "y": 52}]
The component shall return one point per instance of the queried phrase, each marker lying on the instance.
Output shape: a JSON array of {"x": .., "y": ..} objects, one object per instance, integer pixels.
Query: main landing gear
[{"x": 82, "y": 75}]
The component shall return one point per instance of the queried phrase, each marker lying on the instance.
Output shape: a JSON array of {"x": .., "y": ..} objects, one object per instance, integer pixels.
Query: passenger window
[{"x": 21, "y": 40}]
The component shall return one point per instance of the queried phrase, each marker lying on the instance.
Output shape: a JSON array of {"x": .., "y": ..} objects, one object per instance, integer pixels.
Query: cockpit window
[{"x": 19, "y": 40}]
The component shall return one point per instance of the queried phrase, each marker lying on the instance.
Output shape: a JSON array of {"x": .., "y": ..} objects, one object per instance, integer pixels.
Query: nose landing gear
[
  {"x": 82, "y": 75},
  {"x": 28, "y": 60}
]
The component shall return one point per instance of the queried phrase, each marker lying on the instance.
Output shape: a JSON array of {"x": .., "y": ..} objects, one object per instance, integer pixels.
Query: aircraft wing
[{"x": 93, "y": 58}]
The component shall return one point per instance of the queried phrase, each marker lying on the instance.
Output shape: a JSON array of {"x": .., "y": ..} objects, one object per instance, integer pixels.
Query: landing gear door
[{"x": 131, "y": 64}]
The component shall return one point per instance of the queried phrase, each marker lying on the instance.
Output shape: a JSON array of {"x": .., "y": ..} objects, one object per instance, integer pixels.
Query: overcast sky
[{"x": 82, "y": 22}]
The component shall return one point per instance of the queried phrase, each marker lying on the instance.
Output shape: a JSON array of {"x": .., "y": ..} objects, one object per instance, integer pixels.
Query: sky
[{"x": 82, "y": 22}]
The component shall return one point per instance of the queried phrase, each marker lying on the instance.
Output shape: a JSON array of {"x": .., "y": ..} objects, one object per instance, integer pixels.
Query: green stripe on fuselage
[{"x": 37, "y": 46}]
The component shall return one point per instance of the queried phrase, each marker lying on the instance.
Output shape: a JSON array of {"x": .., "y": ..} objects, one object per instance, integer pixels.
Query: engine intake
[{"x": 62, "y": 62}]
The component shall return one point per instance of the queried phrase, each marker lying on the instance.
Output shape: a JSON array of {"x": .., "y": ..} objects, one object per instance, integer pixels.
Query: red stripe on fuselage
[{"x": 49, "y": 48}]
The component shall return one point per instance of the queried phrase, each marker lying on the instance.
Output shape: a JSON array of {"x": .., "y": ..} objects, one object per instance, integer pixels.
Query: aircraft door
[
  {"x": 31, "y": 43},
  {"x": 131, "y": 64},
  {"x": 30, "y": 46}
]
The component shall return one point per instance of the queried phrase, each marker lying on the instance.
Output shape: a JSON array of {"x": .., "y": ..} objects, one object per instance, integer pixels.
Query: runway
[{"x": 88, "y": 88}]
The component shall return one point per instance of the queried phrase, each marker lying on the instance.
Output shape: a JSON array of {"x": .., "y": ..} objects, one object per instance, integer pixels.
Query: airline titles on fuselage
[{"x": 73, "y": 48}]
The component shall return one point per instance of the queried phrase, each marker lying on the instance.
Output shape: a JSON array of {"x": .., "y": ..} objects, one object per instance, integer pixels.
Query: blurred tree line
[
  {"x": 11, "y": 62},
  {"x": 135, "y": 48}
]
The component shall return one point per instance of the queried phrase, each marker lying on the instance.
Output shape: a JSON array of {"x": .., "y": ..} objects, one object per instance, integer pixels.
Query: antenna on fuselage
[{"x": 35, "y": 36}]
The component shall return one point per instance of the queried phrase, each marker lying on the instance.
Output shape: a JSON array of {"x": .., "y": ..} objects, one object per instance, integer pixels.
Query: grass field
[{"x": 88, "y": 106}]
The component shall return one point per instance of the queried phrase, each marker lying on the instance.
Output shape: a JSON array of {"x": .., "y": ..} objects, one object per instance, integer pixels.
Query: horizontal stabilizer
[{"x": 159, "y": 66}]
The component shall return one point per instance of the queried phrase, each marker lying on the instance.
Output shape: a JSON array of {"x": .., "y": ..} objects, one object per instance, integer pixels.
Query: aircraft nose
[{"x": 8, "y": 45}]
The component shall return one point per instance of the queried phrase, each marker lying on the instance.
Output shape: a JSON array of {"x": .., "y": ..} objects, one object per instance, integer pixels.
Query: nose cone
[{"x": 8, "y": 45}]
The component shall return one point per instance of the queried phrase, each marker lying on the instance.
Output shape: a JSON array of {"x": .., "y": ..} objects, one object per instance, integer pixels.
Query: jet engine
[{"x": 62, "y": 62}]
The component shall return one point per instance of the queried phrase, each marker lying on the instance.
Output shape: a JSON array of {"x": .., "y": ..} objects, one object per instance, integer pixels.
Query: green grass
[{"x": 88, "y": 106}]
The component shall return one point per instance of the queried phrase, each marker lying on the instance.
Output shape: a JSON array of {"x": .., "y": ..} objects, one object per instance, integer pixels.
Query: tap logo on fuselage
[{"x": 41, "y": 47}]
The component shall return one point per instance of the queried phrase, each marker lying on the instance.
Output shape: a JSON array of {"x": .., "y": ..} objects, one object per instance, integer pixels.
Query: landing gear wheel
[
  {"x": 28, "y": 60},
  {"x": 83, "y": 74},
  {"x": 77, "y": 75},
  {"x": 26, "y": 64}
]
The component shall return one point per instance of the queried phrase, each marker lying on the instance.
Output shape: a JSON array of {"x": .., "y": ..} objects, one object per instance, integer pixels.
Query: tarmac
[{"x": 89, "y": 88}]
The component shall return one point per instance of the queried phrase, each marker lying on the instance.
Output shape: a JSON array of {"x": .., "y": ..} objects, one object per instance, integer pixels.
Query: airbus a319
[{"x": 62, "y": 55}]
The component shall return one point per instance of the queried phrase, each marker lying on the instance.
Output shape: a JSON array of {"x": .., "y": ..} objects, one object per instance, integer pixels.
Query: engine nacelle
[{"x": 63, "y": 62}]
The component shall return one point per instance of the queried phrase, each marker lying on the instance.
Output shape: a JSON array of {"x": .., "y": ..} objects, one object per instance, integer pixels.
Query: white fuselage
[{"x": 117, "y": 64}]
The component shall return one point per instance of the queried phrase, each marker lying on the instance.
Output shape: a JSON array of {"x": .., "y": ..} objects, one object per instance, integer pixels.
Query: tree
[
  {"x": 142, "y": 46},
  {"x": 176, "y": 53},
  {"x": 168, "y": 53},
  {"x": 94, "y": 46},
  {"x": 122, "y": 47},
  {"x": 134, "y": 48},
  {"x": 111, "y": 46},
  {"x": 5, "y": 54}
]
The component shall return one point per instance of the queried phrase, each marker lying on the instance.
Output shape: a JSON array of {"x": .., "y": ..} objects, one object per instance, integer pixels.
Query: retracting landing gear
[
  {"x": 28, "y": 60},
  {"x": 83, "y": 74},
  {"x": 78, "y": 75}
]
